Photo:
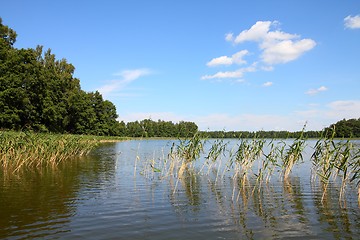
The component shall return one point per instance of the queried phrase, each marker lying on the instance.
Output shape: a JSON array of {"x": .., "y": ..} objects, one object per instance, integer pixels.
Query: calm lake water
[{"x": 110, "y": 194}]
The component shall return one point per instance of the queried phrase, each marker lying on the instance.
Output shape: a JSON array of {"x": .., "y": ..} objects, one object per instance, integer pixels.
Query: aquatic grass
[
  {"x": 189, "y": 150},
  {"x": 257, "y": 160},
  {"x": 271, "y": 159},
  {"x": 245, "y": 156},
  {"x": 334, "y": 161},
  {"x": 292, "y": 156},
  {"x": 214, "y": 156},
  {"x": 26, "y": 149}
]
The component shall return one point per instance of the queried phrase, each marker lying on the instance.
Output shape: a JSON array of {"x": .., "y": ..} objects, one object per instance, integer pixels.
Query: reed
[
  {"x": 188, "y": 151},
  {"x": 257, "y": 160},
  {"x": 245, "y": 156},
  {"x": 18, "y": 149},
  {"x": 355, "y": 169},
  {"x": 292, "y": 156},
  {"x": 271, "y": 159},
  {"x": 216, "y": 152},
  {"x": 336, "y": 160}
]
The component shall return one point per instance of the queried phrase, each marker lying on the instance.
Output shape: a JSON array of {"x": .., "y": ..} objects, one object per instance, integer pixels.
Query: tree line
[
  {"x": 345, "y": 128},
  {"x": 160, "y": 128},
  {"x": 260, "y": 134}
]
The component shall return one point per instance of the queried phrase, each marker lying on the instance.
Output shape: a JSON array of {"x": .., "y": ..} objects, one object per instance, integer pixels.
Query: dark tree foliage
[
  {"x": 39, "y": 92},
  {"x": 345, "y": 129}
]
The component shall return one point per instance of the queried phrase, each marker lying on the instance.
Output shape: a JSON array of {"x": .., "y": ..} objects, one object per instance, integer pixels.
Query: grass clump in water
[{"x": 19, "y": 149}]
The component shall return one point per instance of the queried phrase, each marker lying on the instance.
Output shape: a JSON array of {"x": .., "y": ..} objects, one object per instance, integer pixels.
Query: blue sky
[{"x": 225, "y": 65}]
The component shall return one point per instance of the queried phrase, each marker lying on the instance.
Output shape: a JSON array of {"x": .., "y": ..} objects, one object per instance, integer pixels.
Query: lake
[{"x": 120, "y": 191}]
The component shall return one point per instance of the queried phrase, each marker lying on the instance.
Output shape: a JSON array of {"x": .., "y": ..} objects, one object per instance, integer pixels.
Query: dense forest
[{"x": 40, "y": 93}]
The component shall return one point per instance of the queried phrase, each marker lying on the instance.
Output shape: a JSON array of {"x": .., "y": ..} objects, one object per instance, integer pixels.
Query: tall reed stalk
[
  {"x": 292, "y": 156},
  {"x": 245, "y": 156}
]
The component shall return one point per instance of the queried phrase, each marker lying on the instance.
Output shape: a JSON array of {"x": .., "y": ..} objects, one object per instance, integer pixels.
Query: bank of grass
[{"x": 20, "y": 149}]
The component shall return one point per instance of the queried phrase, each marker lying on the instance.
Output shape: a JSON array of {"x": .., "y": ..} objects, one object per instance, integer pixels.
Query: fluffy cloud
[
  {"x": 276, "y": 46},
  {"x": 286, "y": 51},
  {"x": 352, "y": 22},
  {"x": 236, "y": 58},
  {"x": 257, "y": 32},
  {"x": 123, "y": 79},
  {"x": 316, "y": 91}
]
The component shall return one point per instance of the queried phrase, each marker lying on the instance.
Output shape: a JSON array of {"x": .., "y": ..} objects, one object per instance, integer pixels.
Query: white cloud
[
  {"x": 286, "y": 51},
  {"x": 223, "y": 60},
  {"x": 125, "y": 78},
  {"x": 230, "y": 74},
  {"x": 267, "y": 84},
  {"x": 352, "y": 22},
  {"x": 276, "y": 46},
  {"x": 256, "y": 33},
  {"x": 316, "y": 91},
  {"x": 236, "y": 58}
]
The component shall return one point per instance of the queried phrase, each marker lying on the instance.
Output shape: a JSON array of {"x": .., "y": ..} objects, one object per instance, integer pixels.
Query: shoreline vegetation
[{"x": 29, "y": 149}]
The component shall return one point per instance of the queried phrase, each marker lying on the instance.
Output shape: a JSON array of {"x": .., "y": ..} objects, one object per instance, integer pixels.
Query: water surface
[{"x": 110, "y": 194}]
